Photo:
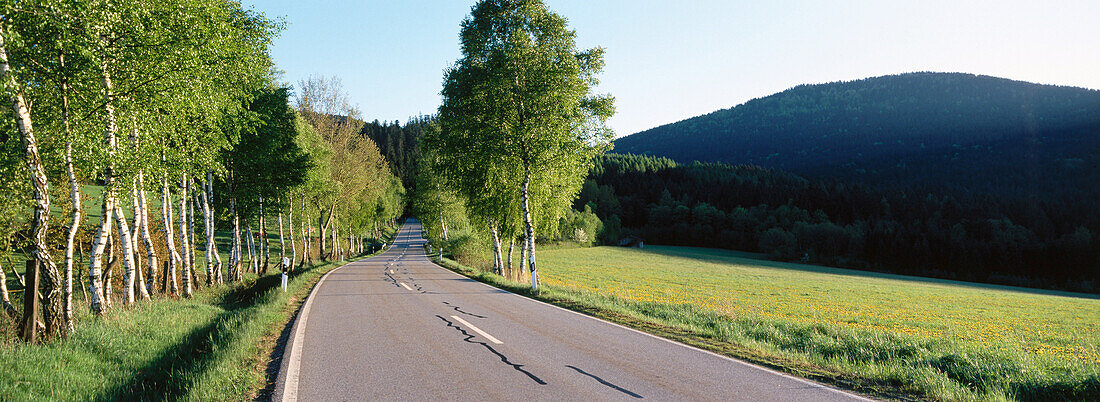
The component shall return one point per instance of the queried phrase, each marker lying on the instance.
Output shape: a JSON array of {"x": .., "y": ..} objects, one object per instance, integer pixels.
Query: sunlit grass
[{"x": 1064, "y": 327}]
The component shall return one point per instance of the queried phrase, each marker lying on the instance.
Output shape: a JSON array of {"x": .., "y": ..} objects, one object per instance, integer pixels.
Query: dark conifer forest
[
  {"x": 399, "y": 144},
  {"x": 1050, "y": 243}
]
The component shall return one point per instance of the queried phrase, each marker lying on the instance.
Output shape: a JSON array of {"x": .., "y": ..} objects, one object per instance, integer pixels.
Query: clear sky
[{"x": 668, "y": 60}]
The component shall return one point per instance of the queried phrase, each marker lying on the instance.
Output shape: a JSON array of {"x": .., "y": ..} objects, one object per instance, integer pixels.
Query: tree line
[
  {"x": 176, "y": 107},
  {"x": 910, "y": 230}
]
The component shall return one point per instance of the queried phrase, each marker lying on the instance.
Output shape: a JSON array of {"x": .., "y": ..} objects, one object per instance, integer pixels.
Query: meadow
[{"x": 887, "y": 335}]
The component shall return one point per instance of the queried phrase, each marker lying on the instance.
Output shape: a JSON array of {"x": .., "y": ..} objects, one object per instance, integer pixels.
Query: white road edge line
[
  {"x": 405, "y": 286},
  {"x": 721, "y": 356},
  {"x": 293, "y": 357},
  {"x": 478, "y": 330}
]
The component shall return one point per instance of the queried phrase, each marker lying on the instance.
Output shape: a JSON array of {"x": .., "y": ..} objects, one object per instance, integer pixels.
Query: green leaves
[{"x": 520, "y": 97}]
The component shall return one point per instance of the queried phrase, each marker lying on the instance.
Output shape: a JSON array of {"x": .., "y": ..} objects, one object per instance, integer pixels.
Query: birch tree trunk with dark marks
[
  {"x": 147, "y": 237},
  {"x": 235, "y": 252},
  {"x": 443, "y": 224},
  {"x": 96, "y": 286},
  {"x": 250, "y": 245},
  {"x": 529, "y": 227},
  {"x": 75, "y": 208},
  {"x": 511, "y": 247},
  {"x": 51, "y": 283},
  {"x": 141, "y": 226},
  {"x": 323, "y": 227},
  {"x": 264, "y": 248},
  {"x": 140, "y": 291},
  {"x": 185, "y": 276},
  {"x": 208, "y": 215},
  {"x": 126, "y": 244},
  {"x": 522, "y": 257},
  {"x": 208, "y": 231},
  {"x": 9, "y": 309},
  {"x": 282, "y": 242},
  {"x": 168, "y": 227},
  {"x": 99, "y": 288},
  {"x": 191, "y": 244},
  {"x": 498, "y": 260},
  {"x": 112, "y": 263},
  {"x": 307, "y": 254},
  {"x": 290, "y": 226}
]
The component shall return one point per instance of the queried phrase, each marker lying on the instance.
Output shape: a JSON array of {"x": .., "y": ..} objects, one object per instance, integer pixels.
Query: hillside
[{"x": 975, "y": 132}]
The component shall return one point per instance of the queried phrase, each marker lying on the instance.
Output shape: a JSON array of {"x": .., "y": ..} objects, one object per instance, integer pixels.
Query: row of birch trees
[
  {"x": 518, "y": 128},
  {"x": 173, "y": 107}
]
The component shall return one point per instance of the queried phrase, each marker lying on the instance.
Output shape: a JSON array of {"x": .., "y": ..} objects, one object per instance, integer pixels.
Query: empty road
[{"x": 398, "y": 327}]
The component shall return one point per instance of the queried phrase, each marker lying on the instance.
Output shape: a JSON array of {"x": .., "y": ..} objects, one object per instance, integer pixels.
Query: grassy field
[{"x": 884, "y": 335}]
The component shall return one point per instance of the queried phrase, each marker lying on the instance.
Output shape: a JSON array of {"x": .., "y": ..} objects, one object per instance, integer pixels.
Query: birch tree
[
  {"x": 32, "y": 160},
  {"x": 522, "y": 96}
]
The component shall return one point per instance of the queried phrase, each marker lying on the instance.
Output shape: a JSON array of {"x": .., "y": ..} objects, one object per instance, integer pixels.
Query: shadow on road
[
  {"x": 503, "y": 358},
  {"x": 604, "y": 382}
]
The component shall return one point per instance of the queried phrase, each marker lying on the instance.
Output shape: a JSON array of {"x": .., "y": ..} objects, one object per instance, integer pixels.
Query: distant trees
[
  {"x": 400, "y": 144},
  {"x": 357, "y": 176},
  {"x": 519, "y": 124}
]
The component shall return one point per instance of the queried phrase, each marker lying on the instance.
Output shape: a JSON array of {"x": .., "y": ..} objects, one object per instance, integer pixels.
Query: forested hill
[{"x": 927, "y": 126}]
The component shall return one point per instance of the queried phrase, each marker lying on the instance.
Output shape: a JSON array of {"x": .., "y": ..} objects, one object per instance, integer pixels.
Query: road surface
[{"x": 398, "y": 327}]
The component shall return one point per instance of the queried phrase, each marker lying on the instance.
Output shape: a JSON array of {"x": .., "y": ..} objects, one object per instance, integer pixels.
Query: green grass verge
[
  {"x": 873, "y": 361},
  {"x": 210, "y": 347}
]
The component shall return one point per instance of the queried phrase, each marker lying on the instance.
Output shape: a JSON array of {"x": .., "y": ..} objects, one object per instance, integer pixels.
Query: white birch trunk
[
  {"x": 252, "y": 266},
  {"x": 168, "y": 224},
  {"x": 522, "y": 257},
  {"x": 282, "y": 242},
  {"x": 112, "y": 262},
  {"x": 322, "y": 226},
  {"x": 139, "y": 289},
  {"x": 75, "y": 209},
  {"x": 498, "y": 260},
  {"x": 334, "y": 241},
  {"x": 263, "y": 246},
  {"x": 235, "y": 253},
  {"x": 96, "y": 286},
  {"x": 193, "y": 256},
  {"x": 4, "y": 299},
  {"x": 290, "y": 226},
  {"x": 126, "y": 244},
  {"x": 443, "y": 224},
  {"x": 306, "y": 254},
  {"x": 51, "y": 279},
  {"x": 511, "y": 247},
  {"x": 141, "y": 292},
  {"x": 185, "y": 255},
  {"x": 529, "y": 225},
  {"x": 99, "y": 288},
  {"x": 213, "y": 271},
  {"x": 147, "y": 238}
]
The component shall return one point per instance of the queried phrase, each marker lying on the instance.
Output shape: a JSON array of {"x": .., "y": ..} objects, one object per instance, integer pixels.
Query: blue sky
[{"x": 670, "y": 60}]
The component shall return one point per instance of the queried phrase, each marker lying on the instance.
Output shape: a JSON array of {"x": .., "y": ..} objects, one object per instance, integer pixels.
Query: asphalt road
[{"x": 398, "y": 327}]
